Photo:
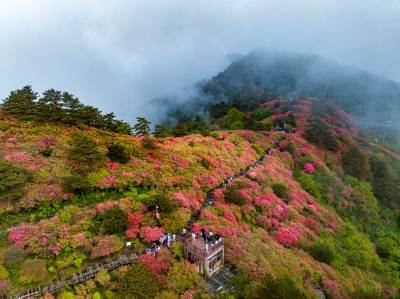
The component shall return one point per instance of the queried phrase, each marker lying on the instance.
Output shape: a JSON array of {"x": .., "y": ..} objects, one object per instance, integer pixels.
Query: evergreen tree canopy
[
  {"x": 59, "y": 107},
  {"x": 356, "y": 164},
  {"x": 385, "y": 184},
  {"x": 118, "y": 153},
  {"x": 12, "y": 180},
  {"x": 320, "y": 134},
  {"x": 137, "y": 283},
  {"x": 84, "y": 153},
  {"x": 142, "y": 126}
]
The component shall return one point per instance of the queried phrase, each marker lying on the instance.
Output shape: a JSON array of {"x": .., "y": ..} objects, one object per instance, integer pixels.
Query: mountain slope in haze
[
  {"x": 318, "y": 217},
  {"x": 266, "y": 74}
]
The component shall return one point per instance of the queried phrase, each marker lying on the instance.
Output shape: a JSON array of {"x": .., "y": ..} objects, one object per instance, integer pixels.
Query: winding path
[{"x": 215, "y": 283}]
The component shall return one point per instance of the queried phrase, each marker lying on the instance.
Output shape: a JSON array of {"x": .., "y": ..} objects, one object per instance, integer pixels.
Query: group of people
[{"x": 165, "y": 240}]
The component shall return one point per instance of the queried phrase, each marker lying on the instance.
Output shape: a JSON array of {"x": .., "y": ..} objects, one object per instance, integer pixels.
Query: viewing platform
[{"x": 207, "y": 257}]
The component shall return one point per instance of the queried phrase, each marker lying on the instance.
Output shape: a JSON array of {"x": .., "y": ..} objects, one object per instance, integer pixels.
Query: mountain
[
  {"x": 316, "y": 215},
  {"x": 371, "y": 99}
]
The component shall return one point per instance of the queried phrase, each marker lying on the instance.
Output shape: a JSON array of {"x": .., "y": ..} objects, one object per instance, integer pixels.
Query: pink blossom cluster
[
  {"x": 135, "y": 220},
  {"x": 309, "y": 168},
  {"x": 46, "y": 142},
  {"x": 218, "y": 193},
  {"x": 12, "y": 139},
  {"x": 108, "y": 182},
  {"x": 21, "y": 235},
  {"x": 331, "y": 288},
  {"x": 18, "y": 157},
  {"x": 106, "y": 246},
  {"x": 112, "y": 166},
  {"x": 158, "y": 265},
  {"x": 188, "y": 200},
  {"x": 289, "y": 236},
  {"x": 151, "y": 234},
  {"x": 104, "y": 206},
  {"x": 274, "y": 206}
]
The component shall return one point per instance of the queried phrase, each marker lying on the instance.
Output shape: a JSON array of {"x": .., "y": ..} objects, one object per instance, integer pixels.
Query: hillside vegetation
[{"x": 320, "y": 214}]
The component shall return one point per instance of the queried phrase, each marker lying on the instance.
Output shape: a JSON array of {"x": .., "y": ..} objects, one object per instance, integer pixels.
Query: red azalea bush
[
  {"x": 151, "y": 234},
  {"x": 289, "y": 236},
  {"x": 309, "y": 168},
  {"x": 158, "y": 265},
  {"x": 104, "y": 206},
  {"x": 18, "y": 158},
  {"x": 108, "y": 182},
  {"x": 20, "y": 235},
  {"x": 106, "y": 246},
  {"x": 274, "y": 206}
]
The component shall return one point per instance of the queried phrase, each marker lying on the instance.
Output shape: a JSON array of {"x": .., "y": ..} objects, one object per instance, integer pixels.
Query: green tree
[
  {"x": 33, "y": 271},
  {"x": 161, "y": 131},
  {"x": 356, "y": 164},
  {"x": 323, "y": 250},
  {"x": 385, "y": 184},
  {"x": 260, "y": 114},
  {"x": 21, "y": 103},
  {"x": 281, "y": 287},
  {"x": 76, "y": 183},
  {"x": 234, "y": 116},
  {"x": 13, "y": 180},
  {"x": 320, "y": 134},
  {"x": 232, "y": 194},
  {"x": 142, "y": 126},
  {"x": 183, "y": 277},
  {"x": 137, "y": 283},
  {"x": 117, "y": 152},
  {"x": 84, "y": 153},
  {"x": 115, "y": 220},
  {"x": 50, "y": 106},
  {"x": 281, "y": 190}
]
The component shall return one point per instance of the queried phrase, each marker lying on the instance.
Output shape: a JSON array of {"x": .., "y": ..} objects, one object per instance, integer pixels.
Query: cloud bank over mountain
[{"x": 118, "y": 55}]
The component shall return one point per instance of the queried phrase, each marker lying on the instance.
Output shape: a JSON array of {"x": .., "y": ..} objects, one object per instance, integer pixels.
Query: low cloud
[{"x": 118, "y": 55}]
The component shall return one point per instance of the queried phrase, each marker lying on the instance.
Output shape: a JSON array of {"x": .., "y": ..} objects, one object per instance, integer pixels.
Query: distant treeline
[{"x": 59, "y": 107}]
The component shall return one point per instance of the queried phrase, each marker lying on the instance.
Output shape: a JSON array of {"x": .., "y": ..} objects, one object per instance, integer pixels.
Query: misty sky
[{"x": 118, "y": 54}]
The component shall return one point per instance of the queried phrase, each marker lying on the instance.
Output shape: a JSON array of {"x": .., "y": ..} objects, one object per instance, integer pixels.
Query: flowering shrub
[
  {"x": 158, "y": 266},
  {"x": 20, "y": 235},
  {"x": 151, "y": 234},
  {"x": 108, "y": 182},
  {"x": 288, "y": 236},
  {"x": 106, "y": 246},
  {"x": 331, "y": 288},
  {"x": 45, "y": 145},
  {"x": 274, "y": 206},
  {"x": 104, "y": 206},
  {"x": 309, "y": 168}
]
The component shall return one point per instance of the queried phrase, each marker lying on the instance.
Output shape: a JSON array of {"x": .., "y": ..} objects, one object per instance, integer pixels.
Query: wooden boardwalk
[{"x": 215, "y": 283}]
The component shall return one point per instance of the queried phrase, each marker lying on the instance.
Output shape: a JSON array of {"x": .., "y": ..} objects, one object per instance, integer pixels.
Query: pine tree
[
  {"x": 84, "y": 153},
  {"x": 50, "y": 106},
  {"x": 385, "y": 184},
  {"x": 356, "y": 164},
  {"x": 21, "y": 103},
  {"x": 142, "y": 126}
]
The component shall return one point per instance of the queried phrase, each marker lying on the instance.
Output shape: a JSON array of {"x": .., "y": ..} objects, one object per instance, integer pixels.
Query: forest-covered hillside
[
  {"x": 319, "y": 216},
  {"x": 263, "y": 75}
]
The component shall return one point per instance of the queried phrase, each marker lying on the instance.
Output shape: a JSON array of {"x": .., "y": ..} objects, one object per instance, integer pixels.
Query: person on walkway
[
  {"x": 161, "y": 239},
  {"x": 169, "y": 240},
  {"x": 173, "y": 238},
  {"x": 204, "y": 235},
  {"x": 184, "y": 231},
  {"x": 193, "y": 236}
]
